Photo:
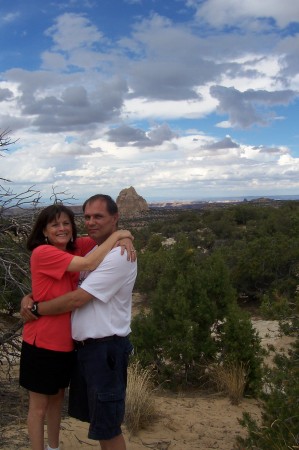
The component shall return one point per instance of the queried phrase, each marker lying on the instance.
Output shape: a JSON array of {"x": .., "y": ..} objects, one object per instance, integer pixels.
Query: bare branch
[
  {"x": 17, "y": 213},
  {"x": 13, "y": 333},
  {"x": 55, "y": 197},
  {"x": 5, "y": 140},
  {"x": 9, "y": 199}
]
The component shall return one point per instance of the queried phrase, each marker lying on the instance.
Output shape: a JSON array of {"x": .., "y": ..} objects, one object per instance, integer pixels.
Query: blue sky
[{"x": 182, "y": 99}]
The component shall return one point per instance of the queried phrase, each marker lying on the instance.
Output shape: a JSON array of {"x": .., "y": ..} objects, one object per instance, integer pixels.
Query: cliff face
[{"x": 130, "y": 204}]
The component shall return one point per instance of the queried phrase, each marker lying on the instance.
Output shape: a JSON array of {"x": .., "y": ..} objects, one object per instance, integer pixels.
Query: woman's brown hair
[{"x": 47, "y": 215}]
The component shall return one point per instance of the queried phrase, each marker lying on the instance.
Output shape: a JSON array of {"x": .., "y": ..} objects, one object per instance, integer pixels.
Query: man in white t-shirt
[{"x": 101, "y": 320}]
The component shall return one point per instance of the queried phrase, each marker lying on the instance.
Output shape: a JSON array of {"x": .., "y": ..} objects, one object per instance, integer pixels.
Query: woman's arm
[{"x": 92, "y": 261}]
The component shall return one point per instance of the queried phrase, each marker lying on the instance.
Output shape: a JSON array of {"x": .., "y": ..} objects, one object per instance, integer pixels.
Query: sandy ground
[{"x": 185, "y": 422}]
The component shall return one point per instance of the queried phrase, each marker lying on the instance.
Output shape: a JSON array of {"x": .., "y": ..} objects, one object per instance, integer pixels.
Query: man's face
[{"x": 99, "y": 223}]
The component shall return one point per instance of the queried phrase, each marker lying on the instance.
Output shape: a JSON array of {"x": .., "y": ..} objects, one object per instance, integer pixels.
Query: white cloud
[
  {"x": 235, "y": 12},
  {"x": 9, "y": 18},
  {"x": 72, "y": 31},
  {"x": 149, "y": 103}
]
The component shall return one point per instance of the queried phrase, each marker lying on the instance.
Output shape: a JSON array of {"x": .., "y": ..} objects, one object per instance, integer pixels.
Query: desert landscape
[{"x": 185, "y": 421}]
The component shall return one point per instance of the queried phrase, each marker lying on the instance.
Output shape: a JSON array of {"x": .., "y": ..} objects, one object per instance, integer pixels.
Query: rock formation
[{"x": 130, "y": 204}]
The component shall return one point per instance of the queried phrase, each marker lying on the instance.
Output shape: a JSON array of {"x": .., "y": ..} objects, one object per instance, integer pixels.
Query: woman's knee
[{"x": 38, "y": 404}]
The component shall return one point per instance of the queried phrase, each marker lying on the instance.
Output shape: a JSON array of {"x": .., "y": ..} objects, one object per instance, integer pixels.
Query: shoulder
[
  {"x": 41, "y": 249},
  {"x": 116, "y": 259},
  {"x": 84, "y": 244},
  {"x": 83, "y": 240},
  {"x": 115, "y": 253},
  {"x": 43, "y": 252}
]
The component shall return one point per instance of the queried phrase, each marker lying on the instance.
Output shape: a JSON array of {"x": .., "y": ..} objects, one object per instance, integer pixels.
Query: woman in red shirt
[{"x": 47, "y": 348}]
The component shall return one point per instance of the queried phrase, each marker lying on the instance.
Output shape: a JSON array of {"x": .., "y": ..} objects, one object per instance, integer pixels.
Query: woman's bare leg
[
  {"x": 35, "y": 420},
  {"x": 54, "y": 418}
]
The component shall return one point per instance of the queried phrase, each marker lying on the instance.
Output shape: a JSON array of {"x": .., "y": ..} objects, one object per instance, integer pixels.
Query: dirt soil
[{"x": 185, "y": 423}]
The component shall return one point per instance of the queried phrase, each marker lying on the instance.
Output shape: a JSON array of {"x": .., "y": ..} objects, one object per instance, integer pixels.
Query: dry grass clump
[
  {"x": 140, "y": 404},
  {"x": 229, "y": 378}
]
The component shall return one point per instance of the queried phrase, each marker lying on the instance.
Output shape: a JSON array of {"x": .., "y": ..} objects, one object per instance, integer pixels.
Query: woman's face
[{"x": 59, "y": 231}]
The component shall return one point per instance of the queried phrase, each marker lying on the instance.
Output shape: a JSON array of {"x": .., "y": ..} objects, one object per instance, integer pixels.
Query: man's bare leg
[{"x": 117, "y": 443}]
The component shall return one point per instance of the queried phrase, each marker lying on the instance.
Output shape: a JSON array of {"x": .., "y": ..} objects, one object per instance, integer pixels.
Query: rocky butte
[{"x": 130, "y": 204}]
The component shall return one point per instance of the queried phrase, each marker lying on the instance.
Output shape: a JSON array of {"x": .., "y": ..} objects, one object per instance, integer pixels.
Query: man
[{"x": 100, "y": 327}]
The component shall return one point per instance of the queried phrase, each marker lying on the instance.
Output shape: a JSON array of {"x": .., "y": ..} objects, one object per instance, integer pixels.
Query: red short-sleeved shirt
[{"x": 49, "y": 280}]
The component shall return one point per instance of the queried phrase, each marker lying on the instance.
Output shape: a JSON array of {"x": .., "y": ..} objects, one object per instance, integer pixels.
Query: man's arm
[
  {"x": 64, "y": 303},
  {"x": 67, "y": 302}
]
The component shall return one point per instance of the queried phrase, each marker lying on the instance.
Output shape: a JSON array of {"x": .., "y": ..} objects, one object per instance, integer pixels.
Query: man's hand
[{"x": 26, "y": 305}]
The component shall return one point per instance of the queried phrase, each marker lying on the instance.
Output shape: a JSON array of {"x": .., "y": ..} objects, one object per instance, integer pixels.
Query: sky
[{"x": 181, "y": 99}]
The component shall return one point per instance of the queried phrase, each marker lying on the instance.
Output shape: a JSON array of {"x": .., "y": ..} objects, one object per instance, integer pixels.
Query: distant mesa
[
  {"x": 130, "y": 204},
  {"x": 261, "y": 200}
]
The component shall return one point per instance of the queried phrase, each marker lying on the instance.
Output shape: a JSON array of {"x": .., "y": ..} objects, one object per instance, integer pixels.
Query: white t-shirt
[{"x": 109, "y": 312}]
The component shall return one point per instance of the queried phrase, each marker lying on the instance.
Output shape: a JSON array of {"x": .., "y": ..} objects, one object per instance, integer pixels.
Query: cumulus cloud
[
  {"x": 5, "y": 94},
  {"x": 227, "y": 142},
  {"x": 234, "y": 12},
  {"x": 126, "y": 135},
  {"x": 72, "y": 31},
  {"x": 163, "y": 68},
  {"x": 243, "y": 107},
  {"x": 141, "y": 99},
  {"x": 67, "y": 108}
]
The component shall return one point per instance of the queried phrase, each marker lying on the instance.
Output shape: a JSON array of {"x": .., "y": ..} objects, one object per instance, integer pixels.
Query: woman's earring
[
  {"x": 72, "y": 240},
  {"x": 46, "y": 240}
]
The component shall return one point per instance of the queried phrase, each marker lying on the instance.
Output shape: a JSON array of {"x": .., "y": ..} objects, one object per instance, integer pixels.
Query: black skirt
[{"x": 45, "y": 371}]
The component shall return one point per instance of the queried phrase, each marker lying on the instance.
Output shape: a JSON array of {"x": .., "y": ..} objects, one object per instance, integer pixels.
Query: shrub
[
  {"x": 279, "y": 428},
  {"x": 229, "y": 378},
  {"x": 240, "y": 345},
  {"x": 192, "y": 291},
  {"x": 140, "y": 405},
  {"x": 274, "y": 305}
]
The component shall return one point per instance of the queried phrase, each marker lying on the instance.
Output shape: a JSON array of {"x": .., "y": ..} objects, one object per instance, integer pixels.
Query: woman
[{"x": 47, "y": 348}]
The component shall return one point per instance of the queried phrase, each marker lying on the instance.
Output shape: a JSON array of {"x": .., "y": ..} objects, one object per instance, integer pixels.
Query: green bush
[
  {"x": 279, "y": 426},
  {"x": 239, "y": 343},
  {"x": 191, "y": 294}
]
